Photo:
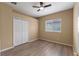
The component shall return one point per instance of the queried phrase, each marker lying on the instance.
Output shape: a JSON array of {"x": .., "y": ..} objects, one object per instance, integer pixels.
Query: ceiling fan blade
[
  {"x": 14, "y": 3},
  {"x": 38, "y": 10},
  {"x": 35, "y": 6},
  {"x": 48, "y": 5}
]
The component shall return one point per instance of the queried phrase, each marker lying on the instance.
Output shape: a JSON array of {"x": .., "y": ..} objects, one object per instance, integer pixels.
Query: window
[{"x": 53, "y": 25}]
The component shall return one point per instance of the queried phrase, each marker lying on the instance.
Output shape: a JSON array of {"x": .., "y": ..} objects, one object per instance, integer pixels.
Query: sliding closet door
[
  {"x": 25, "y": 26},
  {"x": 20, "y": 31}
]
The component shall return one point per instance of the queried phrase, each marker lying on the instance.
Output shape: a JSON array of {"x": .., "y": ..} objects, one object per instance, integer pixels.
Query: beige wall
[
  {"x": 75, "y": 27},
  {"x": 66, "y": 34},
  {"x": 6, "y": 26}
]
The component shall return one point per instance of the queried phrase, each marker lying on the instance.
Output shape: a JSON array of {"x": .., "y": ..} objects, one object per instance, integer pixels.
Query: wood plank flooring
[{"x": 39, "y": 48}]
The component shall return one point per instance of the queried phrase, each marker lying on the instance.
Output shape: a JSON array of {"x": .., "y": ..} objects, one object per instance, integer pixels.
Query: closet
[{"x": 20, "y": 31}]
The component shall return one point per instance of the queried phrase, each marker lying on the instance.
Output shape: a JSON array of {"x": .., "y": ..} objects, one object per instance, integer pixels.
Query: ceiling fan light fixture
[{"x": 41, "y": 8}]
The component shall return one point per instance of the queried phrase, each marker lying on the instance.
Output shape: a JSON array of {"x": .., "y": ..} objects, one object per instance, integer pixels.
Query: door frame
[{"x": 13, "y": 29}]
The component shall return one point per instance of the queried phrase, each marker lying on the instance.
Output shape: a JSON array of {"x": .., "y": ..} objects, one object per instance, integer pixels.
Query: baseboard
[
  {"x": 6, "y": 49},
  {"x": 56, "y": 42},
  {"x": 32, "y": 40}
]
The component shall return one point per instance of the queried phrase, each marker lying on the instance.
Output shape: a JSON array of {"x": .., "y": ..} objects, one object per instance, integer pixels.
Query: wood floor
[{"x": 39, "y": 48}]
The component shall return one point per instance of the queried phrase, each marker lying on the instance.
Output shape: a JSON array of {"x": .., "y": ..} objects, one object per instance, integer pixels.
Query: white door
[
  {"x": 20, "y": 31},
  {"x": 25, "y": 31}
]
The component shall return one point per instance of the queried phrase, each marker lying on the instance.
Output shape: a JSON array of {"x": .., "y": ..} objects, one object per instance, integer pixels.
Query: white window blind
[{"x": 53, "y": 25}]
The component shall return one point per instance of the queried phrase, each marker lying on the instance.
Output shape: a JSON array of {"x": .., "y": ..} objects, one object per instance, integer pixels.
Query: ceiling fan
[{"x": 42, "y": 6}]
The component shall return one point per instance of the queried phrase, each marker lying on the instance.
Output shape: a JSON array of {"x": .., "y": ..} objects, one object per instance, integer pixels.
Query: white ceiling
[{"x": 26, "y": 8}]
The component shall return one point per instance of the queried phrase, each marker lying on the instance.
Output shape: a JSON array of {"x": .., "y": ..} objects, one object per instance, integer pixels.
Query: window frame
[{"x": 53, "y": 21}]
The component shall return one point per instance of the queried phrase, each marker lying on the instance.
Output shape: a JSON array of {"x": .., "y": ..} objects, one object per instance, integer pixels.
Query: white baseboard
[
  {"x": 6, "y": 49},
  {"x": 56, "y": 42},
  {"x": 32, "y": 40}
]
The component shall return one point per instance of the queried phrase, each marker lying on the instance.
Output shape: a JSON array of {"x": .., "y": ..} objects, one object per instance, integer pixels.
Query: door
[
  {"x": 25, "y": 30},
  {"x": 20, "y": 31}
]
